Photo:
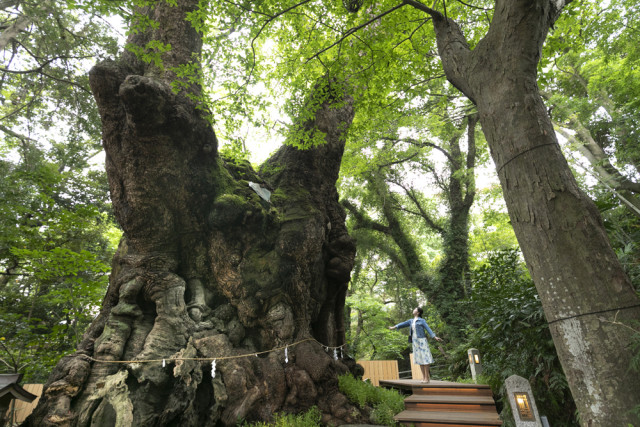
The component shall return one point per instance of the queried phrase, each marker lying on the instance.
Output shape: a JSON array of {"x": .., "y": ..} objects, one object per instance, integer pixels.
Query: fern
[{"x": 386, "y": 403}]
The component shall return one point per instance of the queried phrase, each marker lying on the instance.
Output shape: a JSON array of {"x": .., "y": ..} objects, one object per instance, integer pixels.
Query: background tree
[
  {"x": 55, "y": 223},
  {"x": 400, "y": 162},
  {"x": 593, "y": 93},
  {"x": 45, "y": 96},
  {"x": 55, "y": 253}
]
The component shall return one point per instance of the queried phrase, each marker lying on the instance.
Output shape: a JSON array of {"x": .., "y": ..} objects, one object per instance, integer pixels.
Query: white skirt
[{"x": 421, "y": 353}]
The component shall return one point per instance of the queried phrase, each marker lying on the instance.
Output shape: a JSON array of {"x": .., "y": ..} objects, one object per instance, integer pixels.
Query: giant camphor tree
[
  {"x": 196, "y": 240},
  {"x": 207, "y": 268}
]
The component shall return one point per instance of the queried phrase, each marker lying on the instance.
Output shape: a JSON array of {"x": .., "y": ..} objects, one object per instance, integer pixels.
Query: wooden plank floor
[
  {"x": 411, "y": 384},
  {"x": 422, "y": 398},
  {"x": 416, "y": 386},
  {"x": 464, "y": 418}
]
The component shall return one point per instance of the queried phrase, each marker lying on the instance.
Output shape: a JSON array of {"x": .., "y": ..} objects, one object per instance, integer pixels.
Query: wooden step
[
  {"x": 459, "y": 403},
  {"x": 446, "y": 388},
  {"x": 448, "y": 419},
  {"x": 446, "y": 404}
]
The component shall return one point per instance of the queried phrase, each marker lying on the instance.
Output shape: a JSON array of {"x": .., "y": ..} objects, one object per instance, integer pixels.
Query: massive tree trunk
[
  {"x": 584, "y": 290},
  {"x": 208, "y": 269}
]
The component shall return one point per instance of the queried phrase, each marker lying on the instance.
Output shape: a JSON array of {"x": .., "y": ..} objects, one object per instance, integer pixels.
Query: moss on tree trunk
[{"x": 207, "y": 268}]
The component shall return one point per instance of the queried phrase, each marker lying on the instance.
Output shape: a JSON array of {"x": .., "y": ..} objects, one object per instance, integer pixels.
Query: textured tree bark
[
  {"x": 207, "y": 268},
  {"x": 583, "y": 288}
]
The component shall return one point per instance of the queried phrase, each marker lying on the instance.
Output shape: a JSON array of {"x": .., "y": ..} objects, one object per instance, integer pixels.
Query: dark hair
[{"x": 420, "y": 311}]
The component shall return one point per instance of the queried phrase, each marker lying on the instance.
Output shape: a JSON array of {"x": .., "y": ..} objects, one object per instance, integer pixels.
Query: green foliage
[
  {"x": 379, "y": 297},
  {"x": 44, "y": 94},
  {"x": 512, "y": 335},
  {"x": 311, "y": 418},
  {"x": 491, "y": 226},
  {"x": 635, "y": 361},
  {"x": 56, "y": 241},
  {"x": 590, "y": 74},
  {"x": 386, "y": 402},
  {"x": 370, "y": 337},
  {"x": 151, "y": 53},
  {"x": 623, "y": 229},
  {"x": 55, "y": 247}
]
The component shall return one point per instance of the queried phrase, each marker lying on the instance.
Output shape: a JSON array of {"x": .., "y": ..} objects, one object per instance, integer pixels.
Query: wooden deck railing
[{"x": 376, "y": 370}]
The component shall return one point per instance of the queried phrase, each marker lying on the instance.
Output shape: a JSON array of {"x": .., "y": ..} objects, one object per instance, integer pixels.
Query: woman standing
[{"x": 417, "y": 336}]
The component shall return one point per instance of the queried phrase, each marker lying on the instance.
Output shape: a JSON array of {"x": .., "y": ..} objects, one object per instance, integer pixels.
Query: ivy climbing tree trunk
[
  {"x": 588, "y": 299},
  {"x": 453, "y": 283},
  {"x": 208, "y": 269}
]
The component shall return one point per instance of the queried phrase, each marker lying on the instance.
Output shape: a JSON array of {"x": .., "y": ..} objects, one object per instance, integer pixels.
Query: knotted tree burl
[{"x": 206, "y": 267}]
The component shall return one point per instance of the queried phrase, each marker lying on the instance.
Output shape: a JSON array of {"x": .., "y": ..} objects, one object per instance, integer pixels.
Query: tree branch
[
  {"x": 439, "y": 182},
  {"x": 22, "y": 22},
  {"x": 410, "y": 36},
  {"x": 4, "y": 4},
  {"x": 599, "y": 159},
  {"x": 15, "y": 135},
  {"x": 13, "y": 359},
  {"x": 474, "y": 7},
  {"x": 355, "y": 29},
  {"x": 384, "y": 165},
  {"x": 395, "y": 257},
  {"x": 362, "y": 222},
  {"x": 72, "y": 83},
  {"x": 8, "y": 365},
  {"x": 416, "y": 4},
  {"x": 422, "y": 213},
  {"x": 34, "y": 70},
  {"x": 253, "y": 40},
  {"x": 246, "y": 9},
  {"x": 417, "y": 143}
]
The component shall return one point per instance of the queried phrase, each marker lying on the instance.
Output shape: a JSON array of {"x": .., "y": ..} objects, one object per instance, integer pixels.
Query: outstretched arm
[{"x": 401, "y": 325}]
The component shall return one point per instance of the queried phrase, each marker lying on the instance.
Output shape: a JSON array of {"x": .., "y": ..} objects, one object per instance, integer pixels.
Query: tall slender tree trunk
[
  {"x": 584, "y": 290},
  {"x": 208, "y": 269},
  {"x": 454, "y": 270}
]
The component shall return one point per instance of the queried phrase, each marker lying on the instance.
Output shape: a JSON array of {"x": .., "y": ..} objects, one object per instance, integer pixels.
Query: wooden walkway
[{"x": 446, "y": 404}]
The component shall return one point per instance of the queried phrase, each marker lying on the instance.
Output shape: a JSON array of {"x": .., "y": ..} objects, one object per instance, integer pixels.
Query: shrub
[
  {"x": 311, "y": 418},
  {"x": 386, "y": 403}
]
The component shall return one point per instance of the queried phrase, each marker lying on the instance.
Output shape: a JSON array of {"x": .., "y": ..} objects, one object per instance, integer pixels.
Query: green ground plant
[
  {"x": 311, "y": 418},
  {"x": 386, "y": 403}
]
